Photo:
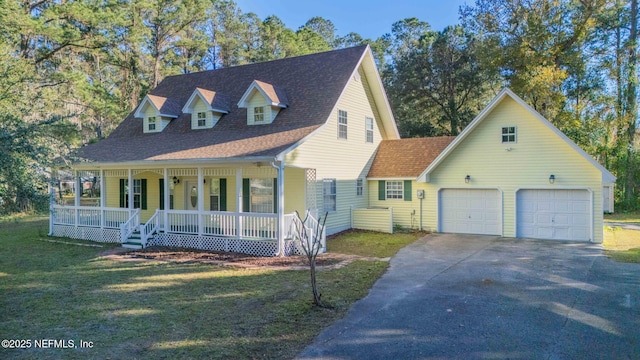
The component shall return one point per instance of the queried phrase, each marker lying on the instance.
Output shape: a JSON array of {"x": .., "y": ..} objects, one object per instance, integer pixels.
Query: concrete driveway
[{"x": 452, "y": 296}]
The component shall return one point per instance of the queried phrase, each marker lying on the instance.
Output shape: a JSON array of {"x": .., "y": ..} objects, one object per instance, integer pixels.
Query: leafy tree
[{"x": 437, "y": 84}]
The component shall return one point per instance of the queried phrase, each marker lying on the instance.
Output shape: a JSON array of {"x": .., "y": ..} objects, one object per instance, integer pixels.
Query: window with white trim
[
  {"x": 202, "y": 119},
  {"x": 261, "y": 195},
  {"x": 214, "y": 194},
  {"x": 368, "y": 129},
  {"x": 509, "y": 134},
  {"x": 151, "y": 123},
  {"x": 329, "y": 194},
  {"x": 359, "y": 187},
  {"x": 395, "y": 189},
  {"x": 258, "y": 114},
  {"x": 342, "y": 124}
]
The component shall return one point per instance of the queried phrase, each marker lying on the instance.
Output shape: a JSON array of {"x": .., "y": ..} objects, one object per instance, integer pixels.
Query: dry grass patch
[{"x": 622, "y": 245}]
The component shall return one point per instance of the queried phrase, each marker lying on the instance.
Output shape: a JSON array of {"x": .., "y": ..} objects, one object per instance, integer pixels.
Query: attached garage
[
  {"x": 470, "y": 211},
  {"x": 554, "y": 214}
]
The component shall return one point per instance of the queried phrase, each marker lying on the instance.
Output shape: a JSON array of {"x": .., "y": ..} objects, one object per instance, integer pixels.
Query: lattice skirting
[
  {"x": 87, "y": 233},
  {"x": 251, "y": 247}
]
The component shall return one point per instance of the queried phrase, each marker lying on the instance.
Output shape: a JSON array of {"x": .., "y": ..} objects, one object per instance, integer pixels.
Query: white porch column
[
  {"x": 103, "y": 198},
  {"x": 130, "y": 194},
  {"x": 239, "y": 202},
  {"x": 281, "y": 208},
  {"x": 200, "y": 201},
  {"x": 167, "y": 200}
]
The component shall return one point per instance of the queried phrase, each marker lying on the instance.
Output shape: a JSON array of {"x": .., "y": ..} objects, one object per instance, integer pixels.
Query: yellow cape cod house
[{"x": 221, "y": 159}]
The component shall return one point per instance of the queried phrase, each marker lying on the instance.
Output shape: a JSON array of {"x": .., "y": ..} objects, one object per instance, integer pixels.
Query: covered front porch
[{"x": 241, "y": 208}]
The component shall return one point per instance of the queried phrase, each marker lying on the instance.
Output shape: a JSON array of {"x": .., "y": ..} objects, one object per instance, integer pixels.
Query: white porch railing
[
  {"x": 262, "y": 226},
  {"x": 131, "y": 225},
  {"x": 288, "y": 226},
  {"x": 152, "y": 226},
  {"x": 310, "y": 226},
  {"x": 222, "y": 223},
  {"x": 89, "y": 216}
]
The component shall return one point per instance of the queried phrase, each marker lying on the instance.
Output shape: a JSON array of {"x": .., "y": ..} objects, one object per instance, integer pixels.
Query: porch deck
[{"x": 251, "y": 233}]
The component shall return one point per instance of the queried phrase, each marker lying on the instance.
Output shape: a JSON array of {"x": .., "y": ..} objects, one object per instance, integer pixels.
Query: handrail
[
  {"x": 310, "y": 224},
  {"x": 127, "y": 228},
  {"x": 147, "y": 230}
]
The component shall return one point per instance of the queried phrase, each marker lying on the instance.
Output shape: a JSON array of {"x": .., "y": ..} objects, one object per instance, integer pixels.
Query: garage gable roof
[{"x": 607, "y": 177}]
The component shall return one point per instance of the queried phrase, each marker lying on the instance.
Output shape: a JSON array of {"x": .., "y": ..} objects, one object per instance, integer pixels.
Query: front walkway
[{"x": 462, "y": 297}]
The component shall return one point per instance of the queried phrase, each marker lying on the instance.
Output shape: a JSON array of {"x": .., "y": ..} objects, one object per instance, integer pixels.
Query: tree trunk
[{"x": 632, "y": 107}]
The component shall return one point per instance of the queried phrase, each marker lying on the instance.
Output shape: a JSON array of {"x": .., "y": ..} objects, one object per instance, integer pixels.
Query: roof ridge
[{"x": 267, "y": 62}]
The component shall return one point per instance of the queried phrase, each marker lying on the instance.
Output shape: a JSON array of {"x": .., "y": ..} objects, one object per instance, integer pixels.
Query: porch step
[{"x": 132, "y": 245}]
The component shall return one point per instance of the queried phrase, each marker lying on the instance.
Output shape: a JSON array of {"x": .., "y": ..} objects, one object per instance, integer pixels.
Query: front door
[{"x": 191, "y": 195}]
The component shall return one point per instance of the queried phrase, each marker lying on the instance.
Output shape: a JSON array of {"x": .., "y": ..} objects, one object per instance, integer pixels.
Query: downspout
[{"x": 280, "y": 233}]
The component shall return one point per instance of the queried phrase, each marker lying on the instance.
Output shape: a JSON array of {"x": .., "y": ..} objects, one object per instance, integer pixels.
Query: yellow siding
[
  {"x": 256, "y": 99},
  {"x": 537, "y": 154},
  {"x": 294, "y": 190},
  {"x": 112, "y": 192},
  {"x": 373, "y": 219},
  {"x": 343, "y": 160},
  {"x": 406, "y": 213}
]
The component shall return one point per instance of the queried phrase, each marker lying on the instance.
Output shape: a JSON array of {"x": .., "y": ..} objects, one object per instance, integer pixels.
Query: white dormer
[
  {"x": 156, "y": 113},
  {"x": 263, "y": 102},
  {"x": 206, "y": 108}
]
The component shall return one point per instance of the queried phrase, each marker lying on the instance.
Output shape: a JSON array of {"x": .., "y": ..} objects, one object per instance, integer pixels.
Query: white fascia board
[
  {"x": 169, "y": 163},
  {"x": 138, "y": 113},
  {"x": 381, "y": 97},
  {"x": 243, "y": 103},
  {"x": 391, "y": 178},
  {"x": 187, "y": 109}
]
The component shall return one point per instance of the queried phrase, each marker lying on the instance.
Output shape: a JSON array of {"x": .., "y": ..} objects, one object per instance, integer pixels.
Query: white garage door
[
  {"x": 553, "y": 214},
  {"x": 470, "y": 211}
]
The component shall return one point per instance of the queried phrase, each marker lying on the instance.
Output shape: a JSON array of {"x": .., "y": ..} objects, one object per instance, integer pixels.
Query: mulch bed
[{"x": 185, "y": 255}]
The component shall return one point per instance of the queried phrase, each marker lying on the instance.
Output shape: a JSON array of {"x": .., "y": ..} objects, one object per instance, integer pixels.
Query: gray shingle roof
[{"x": 313, "y": 84}]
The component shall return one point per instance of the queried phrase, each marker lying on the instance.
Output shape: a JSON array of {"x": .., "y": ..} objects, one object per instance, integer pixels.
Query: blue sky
[{"x": 370, "y": 19}]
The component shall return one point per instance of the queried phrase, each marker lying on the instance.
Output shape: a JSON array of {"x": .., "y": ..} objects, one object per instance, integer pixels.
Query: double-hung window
[
  {"x": 359, "y": 187},
  {"x": 151, "y": 123},
  {"x": 342, "y": 124},
  {"x": 261, "y": 195},
  {"x": 394, "y": 189},
  {"x": 368, "y": 129},
  {"x": 214, "y": 194},
  {"x": 329, "y": 194},
  {"x": 258, "y": 114},
  {"x": 202, "y": 119}
]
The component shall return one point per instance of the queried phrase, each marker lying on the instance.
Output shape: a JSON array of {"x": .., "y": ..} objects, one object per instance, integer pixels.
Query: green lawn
[
  {"x": 368, "y": 243},
  {"x": 162, "y": 310}
]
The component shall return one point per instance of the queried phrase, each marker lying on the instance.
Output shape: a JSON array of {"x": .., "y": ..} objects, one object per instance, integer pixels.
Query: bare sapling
[{"x": 309, "y": 233}]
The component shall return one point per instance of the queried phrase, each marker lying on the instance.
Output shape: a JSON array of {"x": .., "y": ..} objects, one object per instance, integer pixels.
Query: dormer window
[
  {"x": 206, "y": 108},
  {"x": 202, "y": 119},
  {"x": 156, "y": 112},
  {"x": 258, "y": 114},
  {"x": 151, "y": 123},
  {"x": 263, "y": 102}
]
